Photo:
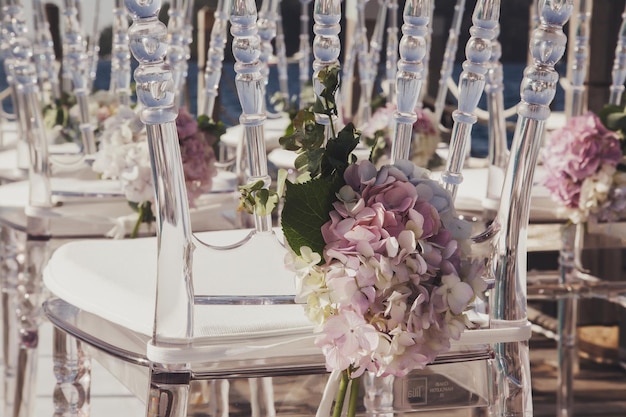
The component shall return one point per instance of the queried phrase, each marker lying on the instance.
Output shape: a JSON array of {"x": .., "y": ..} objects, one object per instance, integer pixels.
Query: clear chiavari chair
[
  {"x": 583, "y": 242},
  {"x": 35, "y": 210},
  {"x": 62, "y": 198},
  {"x": 164, "y": 317}
]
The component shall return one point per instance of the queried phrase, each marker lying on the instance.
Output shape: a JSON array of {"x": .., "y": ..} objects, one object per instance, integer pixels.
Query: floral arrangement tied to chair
[
  {"x": 381, "y": 258},
  {"x": 585, "y": 167}
]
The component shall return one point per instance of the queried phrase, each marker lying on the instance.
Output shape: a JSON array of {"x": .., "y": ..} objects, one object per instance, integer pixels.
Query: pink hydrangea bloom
[
  {"x": 197, "y": 155},
  {"x": 394, "y": 276},
  {"x": 186, "y": 124},
  {"x": 579, "y": 151},
  {"x": 425, "y": 139}
]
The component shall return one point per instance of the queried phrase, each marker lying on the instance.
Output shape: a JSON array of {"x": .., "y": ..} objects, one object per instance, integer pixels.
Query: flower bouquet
[
  {"x": 62, "y": 117},
  {"x": 585, "y": 170},
  {"x": 123, "y": 155},
  {"x": 382, "y": 261},
  {"x": 376, "y": 134}
]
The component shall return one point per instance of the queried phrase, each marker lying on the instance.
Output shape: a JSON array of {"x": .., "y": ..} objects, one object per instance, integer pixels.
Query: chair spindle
[
  {"x": 326, "y": 48},
  {"x": 471, "y": 85},
  {"x": 215, "y": 57},
  {"x": 618, "y": 74},
  {"x": 410, "y": 72},
  {"x": 155, "y": 92},
  {"x": 250, "y": 88}
]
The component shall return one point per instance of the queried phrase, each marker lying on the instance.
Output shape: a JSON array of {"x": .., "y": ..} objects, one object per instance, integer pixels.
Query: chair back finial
[
  {"x": 266, "y": 25},
  {"x": 281, "y": 57},
  {"x": 575, "y": 93},
  {"x": 120, "y": 57},
  {"x": 326, "y": 48},
  {"x": 22, "y": 74},
  {"x": 304, "y": 66},
  {"x": 391, "y": 54},
  {"x": 178, "y": 49},
  {"x": 498, "y": 155},
  {"x": 410, "y": 72},
  {"x": 76, "y": 69},
  {"x": 44, "y": 51},
  {"x": 155, "y": 91},
  {"x": 471, "y": 85},
  {"x": 449, "y": 56},
  {"x": 215, "y": 56}
]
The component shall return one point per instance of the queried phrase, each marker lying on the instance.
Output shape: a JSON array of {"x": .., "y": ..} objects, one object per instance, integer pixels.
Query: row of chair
[{"x": 166, "y": 312}]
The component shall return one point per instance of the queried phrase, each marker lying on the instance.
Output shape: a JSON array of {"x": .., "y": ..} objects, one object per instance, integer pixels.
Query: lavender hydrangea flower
[
  {"x": 392, "y": 270},
  {"x": 580, "y": 161}
]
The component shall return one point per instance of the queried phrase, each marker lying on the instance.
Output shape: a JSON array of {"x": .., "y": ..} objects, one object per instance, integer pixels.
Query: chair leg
[
  {"x": 72, "y": 369},
  {"x": 268, "y": 395},
  {"x": 567, "y": 350},
  {"x": 10, "y": 268},
  {"x": 22, "y": 296},
  {"x": 513, "y": 395},
  {"x": 169, "y": 394}
]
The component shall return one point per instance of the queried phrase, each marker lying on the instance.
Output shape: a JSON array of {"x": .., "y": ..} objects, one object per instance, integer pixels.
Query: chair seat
[
  {"x": 93, "y": 207},
  {"x": 15, "y": 195},
  {"x": 116, "y": 280},
  {"x": 473, "y": 189},
  {"x": 470, "y": 194},
  {"x": 274, "y": 130}
]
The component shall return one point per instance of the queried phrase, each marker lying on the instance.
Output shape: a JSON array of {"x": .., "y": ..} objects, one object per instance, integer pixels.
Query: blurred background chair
[{"x": 60, "y": 197}]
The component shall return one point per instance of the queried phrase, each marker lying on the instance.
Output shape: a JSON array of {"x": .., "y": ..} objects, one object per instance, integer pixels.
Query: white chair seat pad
[
  {"x": 15, "y": 195},
  {"x": 472, "y": 191},
  {"x": 116, "y": 280},
  {"x": 274, "y": 129}
]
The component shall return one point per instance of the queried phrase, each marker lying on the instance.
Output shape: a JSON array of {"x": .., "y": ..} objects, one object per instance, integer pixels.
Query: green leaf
[
  {"x": 338, "y": 151},
  {"x": 611, "y": 116},
  {"x": 307, "y": 207},
  {"x": 615, "y": 121},
  {"x": 290, "y": 142}
]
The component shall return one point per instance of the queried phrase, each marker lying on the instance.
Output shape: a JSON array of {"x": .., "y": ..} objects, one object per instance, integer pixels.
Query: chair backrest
[
  {"x": 507, "y": 265},
  {"x": 22, "y": 77},
  {"x": 155, "y": 91}
]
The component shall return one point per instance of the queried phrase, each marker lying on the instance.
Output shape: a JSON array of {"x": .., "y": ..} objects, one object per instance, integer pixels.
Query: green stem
[
  {"x": 140, "y": 214},
  {"x": 329, "y": 113},
  {"x": 354, "y": 396},
  {"x": 341, "y": 394}
]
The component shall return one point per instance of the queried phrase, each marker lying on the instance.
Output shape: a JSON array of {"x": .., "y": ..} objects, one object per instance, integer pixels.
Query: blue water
[{"x": 230, "y": 108}]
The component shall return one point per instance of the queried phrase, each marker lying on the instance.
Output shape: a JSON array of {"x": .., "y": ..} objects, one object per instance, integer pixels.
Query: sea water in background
[{"x": 229, "y": 102}]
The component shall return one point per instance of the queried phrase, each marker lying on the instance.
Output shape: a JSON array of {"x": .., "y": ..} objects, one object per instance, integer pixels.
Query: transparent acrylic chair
[
  {"x": 60, "y": 199},
  {"x": 165, "y": 313},
  {"x": 32, "y": 211},
  {"x": 601, "y": 240}
]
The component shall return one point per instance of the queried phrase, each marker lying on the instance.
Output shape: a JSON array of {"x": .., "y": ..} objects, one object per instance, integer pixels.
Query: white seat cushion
[
  {"x": 473, "y": 190},
  {"x": 15, "y": 195},
  {"x": 116, "y": 280},
  {"x": 274, "y": 129}
]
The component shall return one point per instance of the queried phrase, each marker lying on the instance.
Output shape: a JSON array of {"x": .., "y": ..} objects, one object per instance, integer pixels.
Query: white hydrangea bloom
[{"x": 124, "y": 155}]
